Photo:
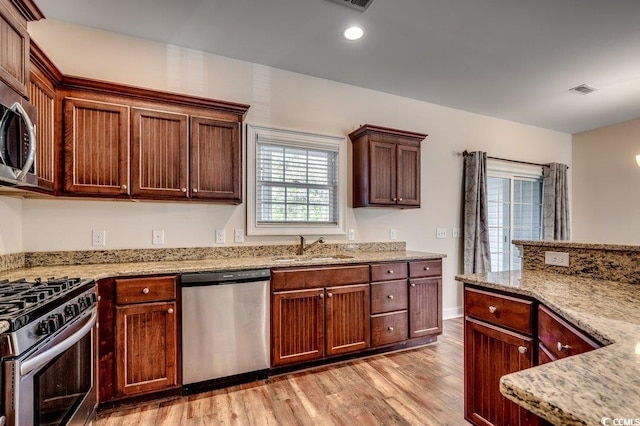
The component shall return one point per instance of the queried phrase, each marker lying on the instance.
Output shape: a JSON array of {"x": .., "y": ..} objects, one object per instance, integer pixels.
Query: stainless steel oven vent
[
  {"x": 360, "y": 5},
  {"x": 583, "y": 89}
]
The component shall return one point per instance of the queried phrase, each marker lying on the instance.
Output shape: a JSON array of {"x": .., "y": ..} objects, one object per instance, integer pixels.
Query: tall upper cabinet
[
  {"x": 386, "y": 167},
  {"x": 14, "y": 43}
]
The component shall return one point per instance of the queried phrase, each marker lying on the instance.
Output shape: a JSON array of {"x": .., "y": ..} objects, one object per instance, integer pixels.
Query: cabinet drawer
[
  {"x": 389, "y": 271},
  {"x": 389, "y": 328},
  {"x": 388, "y": 296},
  {"x": 147, "y": 289},
  {"x": 427, "y": 268},
  {"x": 505, "y": 311},
  {"x": 314, "y": 277},
  {"x": 560, "y": 338}
]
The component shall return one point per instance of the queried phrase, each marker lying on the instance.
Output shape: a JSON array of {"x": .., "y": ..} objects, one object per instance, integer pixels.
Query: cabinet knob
[
  {"x": 522, "y": 349},
  {"x": 426, "y": 268},
  {"x": 493, "y": 309},
  {"x": 390, "y": 328},
  {"x": 390, "y": 296},
  {"x": 563, "y": 348},
  {"x": 394, "y": 199},
  {"x": 399, "y": 199},
  {"x": 123, "y": 186},
  {"x": 321, "y": 295},
  {"x": 183, "y": 189},
  {"x": 390, "y": 271},
  {"x": 412, "y": 284},
  {"x": 195, "y": 189},
  {"x": 170, "y": 310},
  {"x": 329, "y": 294},
  {"x": 145, "y": 290}
]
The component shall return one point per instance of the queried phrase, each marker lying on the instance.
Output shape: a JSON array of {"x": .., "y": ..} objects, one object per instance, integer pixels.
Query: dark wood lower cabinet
[
  {"x": 297, "y": 326},
  {"x": 490, "y": 353},
  {"x": 146, "y": 348},
  {"x": 347, "y": 319},
  {"x": 425, "y": 307}
]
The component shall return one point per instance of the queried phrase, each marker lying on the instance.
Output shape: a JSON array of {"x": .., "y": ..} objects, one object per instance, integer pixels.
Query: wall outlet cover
[
  {"x": 393, "y": 234},
  {"x": 219, "y": 236},
  {"x": 98, "y": 237},
  {"x": 238, "y": 235},
  {"x": 556, "y": 258},
  {"x": 352, "y": 235},
  {"x": 456, "y": 233},
  {"x": 157, "y": 236}
]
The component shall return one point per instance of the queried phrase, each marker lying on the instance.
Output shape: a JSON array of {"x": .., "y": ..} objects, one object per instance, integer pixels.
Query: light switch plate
[
  {"x": 441, "y": 233},
  {"x": 456, "y": 233},
  {"x": 393, "y": 234},
  {"x": 219, "y": 236},
  {"x": 352, "y": 235}
]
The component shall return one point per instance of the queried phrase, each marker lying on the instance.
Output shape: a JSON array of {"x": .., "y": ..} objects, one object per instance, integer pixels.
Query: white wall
[
  {"x": 606, "y": 188},
  {"x": 10, "y": 224},
  {"x": 279, "y": 99}
]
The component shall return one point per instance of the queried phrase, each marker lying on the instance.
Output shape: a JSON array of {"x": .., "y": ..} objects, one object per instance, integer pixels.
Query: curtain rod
[{"x": 465, "y": 153}]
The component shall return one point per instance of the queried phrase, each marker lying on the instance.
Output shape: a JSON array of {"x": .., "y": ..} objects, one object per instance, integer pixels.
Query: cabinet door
[
  {"x": 216, "y": 160},
  {"x": 42, "y": 96},
  {"x": 408, "y": 175},
  {"x": 297, "y": 326},
  {"x": 14, "y": 50},
  {"x": 382, "y": 173},
  {"x": 347, "y": 325},
  {"x": 146, "y": 348},
  {"x": 490, "y": 353},
  {"x": 96, "y": 147},
  {"x": 425, "y": 307},
  {"x": 159, "y": 154}
]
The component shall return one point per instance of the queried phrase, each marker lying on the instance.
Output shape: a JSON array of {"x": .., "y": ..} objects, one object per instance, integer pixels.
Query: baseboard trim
[{"x": 451, "y": 313}]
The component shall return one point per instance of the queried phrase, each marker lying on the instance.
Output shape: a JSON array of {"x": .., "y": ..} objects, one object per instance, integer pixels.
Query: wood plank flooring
[{"x": 422, "y": 386}]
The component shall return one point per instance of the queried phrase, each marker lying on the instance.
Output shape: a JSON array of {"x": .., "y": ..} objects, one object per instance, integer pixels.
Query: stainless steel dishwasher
[{"x": 225, "y": 328}]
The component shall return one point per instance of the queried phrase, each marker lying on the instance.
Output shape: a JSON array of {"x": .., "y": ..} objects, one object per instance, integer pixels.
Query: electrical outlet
[
  {"x": 456, "y": 233},
  {"x": 157, "y": 237},
  {"x": 238, "y": 236},
  {"x": 98, "y": 237},
  {"x": 393, "y": 234},
  {"x": 352, "y": 235},
  {"x": 219, "y": 236},
  {"x": 441, "y": 233},
  {"x": 556, "y": 258}
]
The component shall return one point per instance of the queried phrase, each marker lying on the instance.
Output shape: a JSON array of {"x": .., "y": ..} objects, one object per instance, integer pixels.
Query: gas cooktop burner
[{"x": 22, "y": 301}]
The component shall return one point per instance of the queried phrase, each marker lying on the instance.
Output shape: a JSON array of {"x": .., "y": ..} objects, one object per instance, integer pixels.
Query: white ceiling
[{"x": 513, "y": 59}]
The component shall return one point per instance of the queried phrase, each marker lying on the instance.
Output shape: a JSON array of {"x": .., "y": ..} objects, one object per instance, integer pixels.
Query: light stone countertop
[{"x": 582, "y": 389}]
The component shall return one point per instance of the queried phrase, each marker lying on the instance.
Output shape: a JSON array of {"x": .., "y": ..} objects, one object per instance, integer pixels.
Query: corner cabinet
[{"x": 386, "y": 167}]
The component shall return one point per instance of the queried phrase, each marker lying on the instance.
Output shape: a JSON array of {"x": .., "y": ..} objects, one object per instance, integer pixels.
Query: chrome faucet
[{"x": 302, "y": 247}]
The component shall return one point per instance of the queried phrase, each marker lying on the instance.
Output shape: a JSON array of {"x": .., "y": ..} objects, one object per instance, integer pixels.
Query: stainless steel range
[{"x": 47, "y": 354}]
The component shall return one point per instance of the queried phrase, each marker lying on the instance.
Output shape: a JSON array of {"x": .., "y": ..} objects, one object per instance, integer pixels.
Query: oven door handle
[{"x": 39, "y": 360}]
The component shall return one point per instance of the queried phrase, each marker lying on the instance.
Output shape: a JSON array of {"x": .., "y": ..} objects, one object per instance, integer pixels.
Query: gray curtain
[
  {"x": 477, "y": 257},
  {"x": 555, "y": 202}
]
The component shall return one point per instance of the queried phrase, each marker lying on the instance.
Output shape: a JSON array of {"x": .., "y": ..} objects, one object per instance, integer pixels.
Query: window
[
  {"x": 514, "y": 198},
  {"x": 294, "y": 182}
]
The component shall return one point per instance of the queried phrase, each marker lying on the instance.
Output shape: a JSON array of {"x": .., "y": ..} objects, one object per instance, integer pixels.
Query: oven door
[{"x": 55, "y": 384}]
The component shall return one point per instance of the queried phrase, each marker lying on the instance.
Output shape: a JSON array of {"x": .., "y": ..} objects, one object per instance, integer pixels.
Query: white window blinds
[{"x": 296, "y": 184}]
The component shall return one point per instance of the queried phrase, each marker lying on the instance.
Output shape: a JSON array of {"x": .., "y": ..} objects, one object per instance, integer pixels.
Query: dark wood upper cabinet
[
  {"x": 96, "y": 147},
  {"x": 386, "y": 167},
  {"x": 159, "y": 154},
  {"x": 44, "y": 77},
  {"x": 216, "y": 160},
  {"x": 14, "y": 43}
]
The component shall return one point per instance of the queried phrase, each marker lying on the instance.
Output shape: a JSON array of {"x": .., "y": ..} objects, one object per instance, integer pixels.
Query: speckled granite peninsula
[{"x": 582, "y": 389}]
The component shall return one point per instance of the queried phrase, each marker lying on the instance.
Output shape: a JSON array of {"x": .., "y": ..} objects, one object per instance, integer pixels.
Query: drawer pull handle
[
  {"x": 170, "y": 310},
  {"x": 412, "y": 284},
  {"x": 390, "y": 271},
  {"x": 522, "y": 349},
  {"x": 145, "y": 290},
  {"x": 390, "y": 296},
  {"x": 563, "y": 348},
  {"x": 390, "y": 328},
  {"x": 329, "y": 294},
  {"x": 493, "y": 309}
]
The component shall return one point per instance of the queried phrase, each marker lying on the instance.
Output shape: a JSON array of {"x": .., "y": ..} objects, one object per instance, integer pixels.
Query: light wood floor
[{"x": 421, "y": 386}]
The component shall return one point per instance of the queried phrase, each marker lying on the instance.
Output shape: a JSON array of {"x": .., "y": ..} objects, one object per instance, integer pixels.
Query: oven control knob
[
  {"x": 72, "y": 310},
  {"x": 88, "y": 300},
  {"x": 83, "y": 303},
  {"x": 59, "y": 320},
  {"x": 47, "y": 326},
  {"x": 43, "y": 328},
  {"x": 94, "y": 298}
]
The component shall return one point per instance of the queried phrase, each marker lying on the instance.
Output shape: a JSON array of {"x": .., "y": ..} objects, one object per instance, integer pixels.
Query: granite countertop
[
  {"x": 582, "y": 389},
  {"x": 106, "y": 270}
]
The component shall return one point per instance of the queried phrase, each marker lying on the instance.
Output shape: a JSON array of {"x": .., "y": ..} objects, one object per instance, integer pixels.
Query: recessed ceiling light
[{"x": 353, "y": 33}]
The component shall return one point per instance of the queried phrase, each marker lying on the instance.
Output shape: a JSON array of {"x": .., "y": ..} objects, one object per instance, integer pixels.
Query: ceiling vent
[
  {"x": 583, "y": 89},
  {"x": 360, "y": 5}
]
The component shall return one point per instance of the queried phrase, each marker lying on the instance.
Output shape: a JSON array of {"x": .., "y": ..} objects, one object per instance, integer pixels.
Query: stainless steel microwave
[{"x": 17, "y": 140}]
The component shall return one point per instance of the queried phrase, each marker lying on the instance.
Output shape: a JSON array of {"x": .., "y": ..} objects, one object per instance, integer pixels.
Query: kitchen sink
[{"x": 291, "y": 259}]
